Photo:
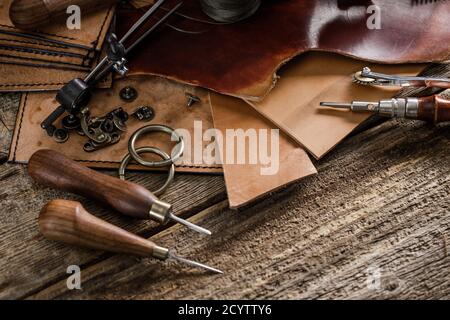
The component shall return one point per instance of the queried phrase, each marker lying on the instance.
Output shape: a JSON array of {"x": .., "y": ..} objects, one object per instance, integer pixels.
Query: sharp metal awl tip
[
  {"x": 336, "y": 105},
  {"x": 190, "y": 225},
  {"x": 173, "y": 256}
]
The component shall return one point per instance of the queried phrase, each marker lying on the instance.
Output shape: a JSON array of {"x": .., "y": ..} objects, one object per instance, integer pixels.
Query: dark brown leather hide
[{"x": 241, "y": 59}]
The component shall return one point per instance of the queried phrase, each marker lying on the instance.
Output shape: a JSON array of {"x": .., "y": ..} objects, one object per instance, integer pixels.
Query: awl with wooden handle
[
  {"x": 68, "y": 222},
  {"x": 32, "y": 14},
  {"x": 52, "y": 169}
]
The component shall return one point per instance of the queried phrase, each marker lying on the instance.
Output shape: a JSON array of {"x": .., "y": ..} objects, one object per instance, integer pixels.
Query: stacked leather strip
[{"x": 47, "y": 58}]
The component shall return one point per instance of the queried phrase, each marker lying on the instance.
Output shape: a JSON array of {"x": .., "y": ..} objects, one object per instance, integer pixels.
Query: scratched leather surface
[{"x": 241, "y": 59}]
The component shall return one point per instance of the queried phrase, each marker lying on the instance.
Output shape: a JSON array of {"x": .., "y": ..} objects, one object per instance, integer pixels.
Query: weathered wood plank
[
  {"x": 28, "y": 262},
  {"x": 380, "y": 202}
]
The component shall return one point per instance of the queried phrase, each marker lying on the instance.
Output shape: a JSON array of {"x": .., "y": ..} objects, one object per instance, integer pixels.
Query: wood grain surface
[{"x": 380, "y": 205}]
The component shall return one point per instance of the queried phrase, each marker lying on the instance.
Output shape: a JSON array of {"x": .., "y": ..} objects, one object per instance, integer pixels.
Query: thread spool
[{"x": 230, "y": 11}]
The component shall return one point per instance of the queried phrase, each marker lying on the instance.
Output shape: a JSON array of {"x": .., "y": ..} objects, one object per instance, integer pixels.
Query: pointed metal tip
[
  {"x": 190, "y": 225},
  {"x": 336, "y": 105},
  {"x": 194, "y": 263}
]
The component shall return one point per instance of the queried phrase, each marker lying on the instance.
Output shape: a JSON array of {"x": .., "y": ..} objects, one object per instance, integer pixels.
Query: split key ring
[
  {"x": 176, "y": 154},
  {"x": 162, "y": 154}
]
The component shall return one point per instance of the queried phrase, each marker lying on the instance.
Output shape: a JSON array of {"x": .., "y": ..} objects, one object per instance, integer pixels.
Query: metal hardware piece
[
  {"x": 177, "y": 152},
  {"x": 367, "y": 77},
  {"x": 128, "y": 94},
  {"x": 120, "y": 67},
  {"x": 61, "y": 135},
  {"x": 162, "y": 154},
  {"x": 192, "y": 99},
  {"x": 102, "y": 131},
  {"x": 71, "y": 122},
  {"x": 144, "y": 113}
]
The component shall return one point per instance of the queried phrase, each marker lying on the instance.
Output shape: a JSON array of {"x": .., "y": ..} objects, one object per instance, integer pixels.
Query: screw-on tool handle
[
  {"x": 434, "y": 109},
  {"x": 32, "y": 14},
  {"x": 69, "y": 222},
  {"x": 53, "y": 169}
]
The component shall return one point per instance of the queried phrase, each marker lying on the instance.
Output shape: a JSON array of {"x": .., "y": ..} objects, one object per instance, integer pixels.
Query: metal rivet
[
  {"x": 128, "y": 94},
  {"x": 70, "y": 122},
  {"x": 192, "y": 99},
  {"x": 61, "y": 135}
]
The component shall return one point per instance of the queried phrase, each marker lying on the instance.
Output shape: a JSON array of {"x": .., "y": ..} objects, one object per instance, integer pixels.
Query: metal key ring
[
  {"x": 179, "y": 148},
  {"x": 164, "y": 155}
]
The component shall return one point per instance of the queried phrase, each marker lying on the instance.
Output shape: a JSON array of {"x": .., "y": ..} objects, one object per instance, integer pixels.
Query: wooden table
[{"x": 374, "y": 223}]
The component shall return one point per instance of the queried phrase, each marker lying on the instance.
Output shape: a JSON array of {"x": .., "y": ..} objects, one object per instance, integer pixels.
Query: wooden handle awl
[
  {"x": 69, "y": 222},
  {"x": 32, "y": 14},
  {"x": 434, "y": 109},
  {"x": 52, "y": 169}
]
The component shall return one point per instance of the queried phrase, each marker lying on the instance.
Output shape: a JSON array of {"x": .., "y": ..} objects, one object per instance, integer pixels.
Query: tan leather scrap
[
  {"x": 293, "y": 105},
  {"x": 49, "y": 58},
  {"x": 246, "y": 182},
  {"x": 93, "y": 30}
]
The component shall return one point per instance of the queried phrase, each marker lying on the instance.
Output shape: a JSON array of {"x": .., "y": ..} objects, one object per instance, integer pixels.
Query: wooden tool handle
[
  {"x": 52, "y": 169},
  {"x": 31, "y": 14},
  {"x": 69, "y": 222},
  {"x": 437, "y": 84},
  {"x": 434, "y": 109}
]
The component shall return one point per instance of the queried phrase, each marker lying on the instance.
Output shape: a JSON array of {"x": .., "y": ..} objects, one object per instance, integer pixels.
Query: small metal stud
[
  {"x": 61, "y": 135},
  {"x": 128, "y": 94},
  {"x": 144, "y": 113},
  {"x": 192, "y": 99}
]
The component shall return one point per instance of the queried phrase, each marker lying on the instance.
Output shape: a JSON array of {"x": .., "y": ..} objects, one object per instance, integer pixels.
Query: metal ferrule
[
  {"x": 412, "y": 108},
  {"x": 160, "y": 253},
  {"x": 160, "y": 211},
  {"x": 399, "y": 108},
  {"x": 394, "y": 108}
]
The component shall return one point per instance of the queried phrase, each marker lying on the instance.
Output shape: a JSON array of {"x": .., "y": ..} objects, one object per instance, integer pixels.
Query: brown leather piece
[
  {"x": 9, "y": 39},
  {"x": 293, "y": 105},
  {"x": 166, "y": 97},
  {"x": 244, "y": 182},
  {"x": 54, "y": 58},
  {"x": 241, "y": 59},
  {"x": 25, "y": 71},
  {"x": 16, "y": 77},
  {"x": 91, "y": 35},
  {"x": 28, "y": 67}
]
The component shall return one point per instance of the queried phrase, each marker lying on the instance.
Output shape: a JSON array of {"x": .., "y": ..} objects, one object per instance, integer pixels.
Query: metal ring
[
  {"x": 179, "y": 148},
  {"x": 164, "y": 155}
]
